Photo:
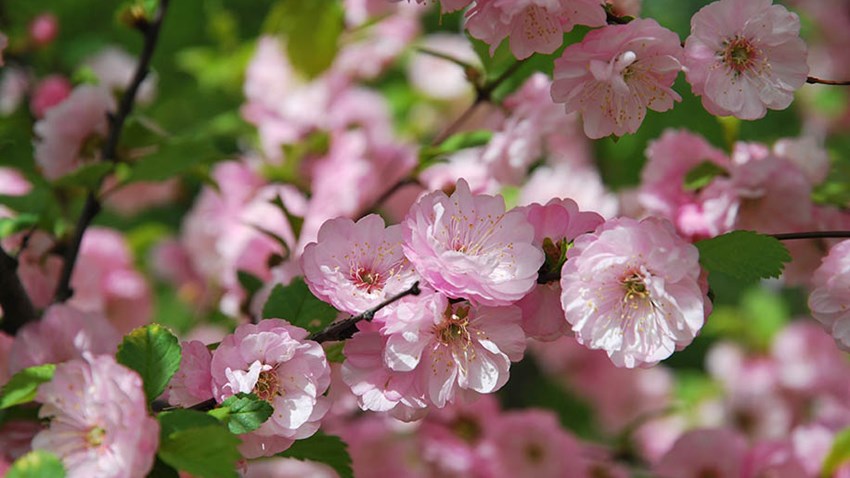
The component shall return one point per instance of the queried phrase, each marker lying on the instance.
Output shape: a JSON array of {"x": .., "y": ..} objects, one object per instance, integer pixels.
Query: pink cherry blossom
[
  {"x": 288, "y": 468},
  {"x": 582, "y": 184},
  {"x": 467, "y": 246},
  {"x": 745, "y": 56},
  {"x": 616, "y": 73},
  {"x": 808, "y": 154},
  {"x": 38, "y": 266},
  {"x": 99, "y": 420},
  {"x": 70, "y": 131},
  {"x": 354, "y": 266},
  {"x": 625, "y": 7},
  {"x": 16, "y": 438},
  {"x": 131, "y": 199},
  {"x": 773, "y": 458},
  {"x": 44, "y": 28},
  {"x": 49, "y": 92},
  {"x": 63, "y": 333},
  {"x": 273, "y": 360},
  {"x": 534, "y": 26},
  {"x": 559, "y": 221},
  {"x": 705, "y": 452},
  {"x": 453, "y": 347},
  {"x": 114, "y": 69},
  {"x": 437, "y": 77},
  {"x": 532, "y": 443},
  {"x": 14, "y": 83},
  {"x": 192, "y": 384},
  {"x": 633, "y": 289},
  {"x": 830, "y": 297}
]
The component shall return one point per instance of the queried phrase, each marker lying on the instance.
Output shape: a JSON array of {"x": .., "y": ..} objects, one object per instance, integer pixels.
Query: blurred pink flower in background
[{"x": 49, "y": 92}]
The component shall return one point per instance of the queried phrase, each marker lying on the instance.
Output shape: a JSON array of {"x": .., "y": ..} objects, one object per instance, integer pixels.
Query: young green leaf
[
  {"x": 87, "y": 177},
  {"x": 243, "y": 412},
  {"x": 152, "y": 351},
  {"x": 701, "y": 175},
  {"x": 11, "y": 225},
  {"x": 312, "y": 30},
  {"x": 838, "y": 454},
  {"x": 745, "y": 255},
  {"x": 322, "y": 448},
  {"x": 22, "y": 387},
  {"x": 299, "y": 306},
  {"x": 198, "y": 443},
  {"x": 37, "y": 464}
]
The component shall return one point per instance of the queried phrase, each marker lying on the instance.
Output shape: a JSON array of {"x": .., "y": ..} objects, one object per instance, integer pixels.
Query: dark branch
[
  {"x": 108, "y": 152},
  {"x": 344, "y": 329},
  {"x": 16, "y": 304},
  {"x": 818, "y": 81},
  {"x": 790, "y": 236}
]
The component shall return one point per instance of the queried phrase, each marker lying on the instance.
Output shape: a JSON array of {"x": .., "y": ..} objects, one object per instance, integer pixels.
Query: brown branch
[
  {"x": 108, "y": 153},
  {"x": 817, "y": 81},
  {"x": 344, "y": 329},
  {"x": 16, "y": 304},
  {"x": 791, "y": 236}
]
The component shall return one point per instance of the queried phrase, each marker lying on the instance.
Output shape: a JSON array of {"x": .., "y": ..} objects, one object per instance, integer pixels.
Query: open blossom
[
  {"x": 467, "y": 246},
  {"x": 616, "y": 73},
  {"x": 99, "y": 420},
  {"x": 830, "y": 297},
  {"x": 453, "y": 347},
  {"x": 716, "y": 452},
  {"x": 744, "y": 56},
  {"x": 354, "y": 266},
  {"x": 49, "y": 92},
  {"x": 273, "y": 360},
  {"x": 533, "y": 25},
  {"x": 633, "y": 289},
  {"x": 532, "y": 443},
  {"x": 68, "y": 132}
]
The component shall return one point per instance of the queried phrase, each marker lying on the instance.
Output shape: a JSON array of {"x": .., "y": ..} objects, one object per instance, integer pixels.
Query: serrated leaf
[
  {"x": 838, "y": 454},
  {"x": 322, "y": 448},
  {"x": 154, "y": 353},
  {"x": 745, "y": 255},
  {"x": 296, "y": 304},
  {"x": 243, "y": 412},
  {"x": 87, "y": 177},
  {"x": 207, "y": 451},
  {"x": 183, "y": 419},
  {"x": 22, "y": 387},
  {"x": 702, "y": 174},
  {"x": 37, "y": 464}
]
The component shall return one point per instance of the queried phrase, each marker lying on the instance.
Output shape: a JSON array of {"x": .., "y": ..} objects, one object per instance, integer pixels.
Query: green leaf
[
  {"x": 86, "y": 177},
  {"x": 243, "y": 412},
  {"x": 22, "y": 387},
  {"x": 745, "y": 255},
  {"x": 456, "y": 142},
  {"x": 322, "y": 448},
  {"x": 154, "y": 352},
  {"x": 249, "y": 282},
  {"x": 21, "y": 222},
  {"x": 162, "y": 470},
  {"x": 312, "y": 30},
  {"x": 196, "y": 442},
  {"x": 37, "y": 464},
  {"x": 173, "y": 158},
  {"x": 838, "y": 454},
  {"x": 215, "y": 71},
  {"x": 299, "y": 306},
  {"x": 702, "y": 174},
  {"x": 333, "y": 352}
]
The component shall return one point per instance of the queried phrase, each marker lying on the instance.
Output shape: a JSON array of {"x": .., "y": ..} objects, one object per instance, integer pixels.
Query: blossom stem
[
  {"x": 344, "y": 329},
  {"x": 17, "y": 306},
  {"x": 466, "y": 66},
  {"x": 108, "y": 153},
  {"x": 818, "y": 81},
  {"x": 790, "y": 236}
]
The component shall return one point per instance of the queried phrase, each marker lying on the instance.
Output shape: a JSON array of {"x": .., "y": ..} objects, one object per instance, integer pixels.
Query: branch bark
[{"x": 17, "y": 307}]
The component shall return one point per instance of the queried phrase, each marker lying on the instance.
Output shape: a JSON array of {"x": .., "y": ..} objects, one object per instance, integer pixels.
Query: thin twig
[
  {"x": 108, "y": 153},
  {"x": 790, "y": 236},
  {"x": 17, "y": 306},
  {"x": 344, "y": 329},
  {"x": 818, "y": 81},
  {"x": 444, "y": 56}
]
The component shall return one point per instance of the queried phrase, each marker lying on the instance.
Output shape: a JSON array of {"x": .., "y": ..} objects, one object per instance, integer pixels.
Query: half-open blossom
[
  {"x": 615, "y": 73},
  {"x": 453, "y": 347},
  {"x": 273, "y": 360},
  {"x": 467, "y": 246},
  {"x": 99, "y": 419},
  {"x": 354, "y": 266},
  {"x": 830, "y": 297},
  {"x": 533, "y": 25},
  {"x": 44, "y": 28},
  {"x": 69, "y": 133},
  {"x": 633, "y": 289},
  {"x": 745, "y": 56}
]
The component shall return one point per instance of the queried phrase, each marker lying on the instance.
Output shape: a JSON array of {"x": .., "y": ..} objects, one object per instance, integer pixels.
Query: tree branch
[
  {"x": 16, "y": 304},
  {"x": 817, "y": 81},
  {"x": 108, "y": 153},
  {"x": 790, "y": 236},
  {"x": 344, "y": 329}
]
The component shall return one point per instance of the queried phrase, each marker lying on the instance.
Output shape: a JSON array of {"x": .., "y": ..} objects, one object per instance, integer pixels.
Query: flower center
[
  {"x": 454, "y": 328},
  {"x": 367, "y": 280},
  {"x": 467, "y": 428},
  {"x": 739, "y": 54},
  {"x": 534, "y": 452},
  {"x": 95, "y": 436},
  {"x": 268, "y": 386},
  {"x": 635, "y": 287}
]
